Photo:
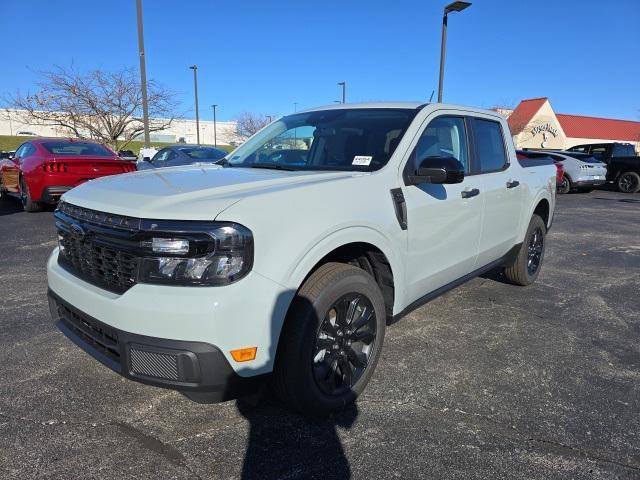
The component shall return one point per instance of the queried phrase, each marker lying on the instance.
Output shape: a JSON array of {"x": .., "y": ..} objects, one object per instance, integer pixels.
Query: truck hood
[{"x": 194, "y": 192}]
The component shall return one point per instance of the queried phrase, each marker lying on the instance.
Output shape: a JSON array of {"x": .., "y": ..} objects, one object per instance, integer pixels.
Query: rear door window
[
  {"x": 491, "y": 154},
  {"x": 623, "y": 151},
  {"x": 598, "y": 152}
]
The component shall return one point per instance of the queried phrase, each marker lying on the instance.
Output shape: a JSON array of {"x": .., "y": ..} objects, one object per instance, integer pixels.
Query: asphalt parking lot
[{"x": 489, "y": 381}]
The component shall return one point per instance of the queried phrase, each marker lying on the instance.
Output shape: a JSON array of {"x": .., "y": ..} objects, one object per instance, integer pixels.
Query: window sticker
[{"x": 361, "y": 160}]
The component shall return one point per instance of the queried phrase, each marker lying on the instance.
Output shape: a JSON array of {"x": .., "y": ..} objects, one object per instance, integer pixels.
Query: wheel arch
[
  {"x": 362, "y": 247},
  {"x": 542, "y": 205}
]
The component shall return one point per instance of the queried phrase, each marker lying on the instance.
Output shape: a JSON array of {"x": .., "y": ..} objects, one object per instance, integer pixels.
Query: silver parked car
[{"x": 582, "y": 172}]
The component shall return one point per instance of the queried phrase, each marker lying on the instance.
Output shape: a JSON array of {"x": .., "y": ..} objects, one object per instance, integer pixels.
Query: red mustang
[{"x": 45, "y": 168}]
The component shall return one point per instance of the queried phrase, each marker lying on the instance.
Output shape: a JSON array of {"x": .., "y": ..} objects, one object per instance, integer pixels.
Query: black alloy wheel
[
  {"x": 24, "y": 193},
  {"x": 344, "y": 344},
  {"x": 534, "y": 251},
  {"x": 565, "y": 185},
  {"x": 629, "y": 182},
  {"x": 27, "y": 203}
]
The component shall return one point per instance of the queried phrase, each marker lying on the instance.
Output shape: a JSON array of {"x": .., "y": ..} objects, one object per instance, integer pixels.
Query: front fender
[{"x": 306, "y": 262}]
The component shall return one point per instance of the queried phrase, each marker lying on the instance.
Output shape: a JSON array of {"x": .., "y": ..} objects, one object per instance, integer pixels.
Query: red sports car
[{"x": 45, "y": 168}]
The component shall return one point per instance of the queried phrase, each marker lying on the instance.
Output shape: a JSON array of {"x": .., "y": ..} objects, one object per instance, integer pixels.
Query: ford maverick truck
[{"x": 284, "y": 262}]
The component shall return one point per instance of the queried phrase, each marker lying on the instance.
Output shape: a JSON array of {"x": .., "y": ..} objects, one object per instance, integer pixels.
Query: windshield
[
  {"x": 341, "y": 139},
  {"x": 77, "y": 148},
  {"x": 204, "y": 153}
]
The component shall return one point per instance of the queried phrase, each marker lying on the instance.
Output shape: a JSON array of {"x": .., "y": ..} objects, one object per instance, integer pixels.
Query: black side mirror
[
  {"x": 146, "y": 159},
  {"x": 437, "y": 170}
]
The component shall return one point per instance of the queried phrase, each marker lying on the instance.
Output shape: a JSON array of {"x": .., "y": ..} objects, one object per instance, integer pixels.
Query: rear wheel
[
  {"x": 629, "y": 182},
  {"x": 565, "y": 186},
  {"x": 25, "y": 197},
  {"x": 525, "y": 268},
  {"x": 3, "y": 193},
  {"x": 331, "y": 340}
]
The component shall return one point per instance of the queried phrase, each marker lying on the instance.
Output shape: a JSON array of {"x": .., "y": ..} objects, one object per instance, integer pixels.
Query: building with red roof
[{"x": 534, "y": 124}]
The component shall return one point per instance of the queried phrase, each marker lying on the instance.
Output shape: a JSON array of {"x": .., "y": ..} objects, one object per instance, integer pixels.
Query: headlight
[{"x": 195, "y": 253}]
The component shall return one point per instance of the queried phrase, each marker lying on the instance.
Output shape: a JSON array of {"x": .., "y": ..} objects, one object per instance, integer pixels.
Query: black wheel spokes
[
  {"x": 534, "y": 251},
  {"x": 626, "y": 183},
  {"x": 344, "y": 344}
]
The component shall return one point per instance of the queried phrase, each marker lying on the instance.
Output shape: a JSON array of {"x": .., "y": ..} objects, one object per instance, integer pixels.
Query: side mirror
[
  {"x": 437, "y": 170},
  {"x": 146, "y": 159}
]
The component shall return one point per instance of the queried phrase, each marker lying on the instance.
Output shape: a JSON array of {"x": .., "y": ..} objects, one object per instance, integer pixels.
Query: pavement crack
[{"x": 154, "y": 444}]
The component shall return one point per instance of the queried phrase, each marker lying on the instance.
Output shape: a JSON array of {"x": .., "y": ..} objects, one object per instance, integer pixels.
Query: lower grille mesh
[{"x": 153, "y": 364}]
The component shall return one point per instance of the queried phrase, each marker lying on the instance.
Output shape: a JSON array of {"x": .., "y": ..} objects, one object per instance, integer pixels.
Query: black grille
[
  {"x": 98, "y": 336},
  {"x": 98, "y": 247},
  {"x": 101, "y": 265},
  {"x": 154, "y": 364}
]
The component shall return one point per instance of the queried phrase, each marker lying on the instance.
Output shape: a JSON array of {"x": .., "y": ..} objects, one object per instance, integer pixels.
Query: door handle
[
  {"x": 512, "y": 183},
  {"x": 470, "y": 193}
]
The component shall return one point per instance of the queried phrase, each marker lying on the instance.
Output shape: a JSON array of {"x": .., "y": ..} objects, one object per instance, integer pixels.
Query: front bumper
[
  {"x": 216, "y": 320},
  {"x": 197, "y": 369}
]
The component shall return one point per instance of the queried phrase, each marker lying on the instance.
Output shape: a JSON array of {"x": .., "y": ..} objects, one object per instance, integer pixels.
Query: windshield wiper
[
  {"x": 272, "y": 166},
  {"x": 224, "y": 162}
]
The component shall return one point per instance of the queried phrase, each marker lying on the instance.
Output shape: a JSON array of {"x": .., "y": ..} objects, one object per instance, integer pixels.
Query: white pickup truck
[{"x": 286, "y": 261}]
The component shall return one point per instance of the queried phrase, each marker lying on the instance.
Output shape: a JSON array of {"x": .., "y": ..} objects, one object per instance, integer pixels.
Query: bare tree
[
  {"x": 105, "y": 106},
  {"x": 249, "y": 123}
]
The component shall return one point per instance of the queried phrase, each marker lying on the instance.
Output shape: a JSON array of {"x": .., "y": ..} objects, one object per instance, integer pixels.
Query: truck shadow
[
  {"x": 285, "y": 444},
  {"x": 9, "y": 206}
]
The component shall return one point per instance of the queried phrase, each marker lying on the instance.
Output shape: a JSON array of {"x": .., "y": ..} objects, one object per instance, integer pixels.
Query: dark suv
[{"x": 623, "y": 165}]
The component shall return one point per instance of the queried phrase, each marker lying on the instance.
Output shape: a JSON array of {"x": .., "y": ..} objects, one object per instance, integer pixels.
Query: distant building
[
  {"x": 182, "y": 130},
  {"x": 534, "y": 124}
]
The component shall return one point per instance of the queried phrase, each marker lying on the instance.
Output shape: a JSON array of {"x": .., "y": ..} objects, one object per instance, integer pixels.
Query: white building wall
[{"x": 183, "y": 128}]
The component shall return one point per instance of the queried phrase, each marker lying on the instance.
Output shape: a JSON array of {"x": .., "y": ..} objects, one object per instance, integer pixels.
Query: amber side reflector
[{"x": 244, "y": 354}]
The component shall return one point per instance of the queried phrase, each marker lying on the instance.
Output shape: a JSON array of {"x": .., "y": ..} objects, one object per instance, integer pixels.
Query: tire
[
  {"x": 323, "y": 363},
  {"x": 3, "y": 193},
  {"x": 25, "y": 197},
  {"x": 565, "y": 186},
  {"x": 628, "y": 182},
  {"x": 526, "y": 266}
]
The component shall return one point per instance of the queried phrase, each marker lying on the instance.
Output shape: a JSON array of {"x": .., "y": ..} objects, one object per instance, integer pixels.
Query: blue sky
[{"x": 262, "y": 56}]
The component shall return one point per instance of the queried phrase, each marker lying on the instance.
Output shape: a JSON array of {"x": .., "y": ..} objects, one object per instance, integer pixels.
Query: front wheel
[
  {"x": 629, "y": 182},
  {"x": 331, "y": 340},
  {"x": 525, "y": 268},
  {"x": 25, "y": 197}
]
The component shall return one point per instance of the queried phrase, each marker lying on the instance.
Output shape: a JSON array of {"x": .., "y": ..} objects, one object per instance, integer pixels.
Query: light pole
[
  {"x": 195, "y": 88},
  {"x": 344, "y": 91},
  {"x": 452, "y": 7},
  {"x": 143, "y": 74},
  {"x": 295, "y": 107},
  {"x": 215, "y": 135}
]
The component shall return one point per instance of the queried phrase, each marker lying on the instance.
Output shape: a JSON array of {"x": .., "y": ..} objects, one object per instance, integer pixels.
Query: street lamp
[
  {"x": 195, "y": 88},
  {"x": 215, "y": 136},
  {"x": 452, "y": 7},
  {"x": 295, "y": 107},
  {"x": 143, "y": 75},
  {"x": 344, "y": 90}
]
